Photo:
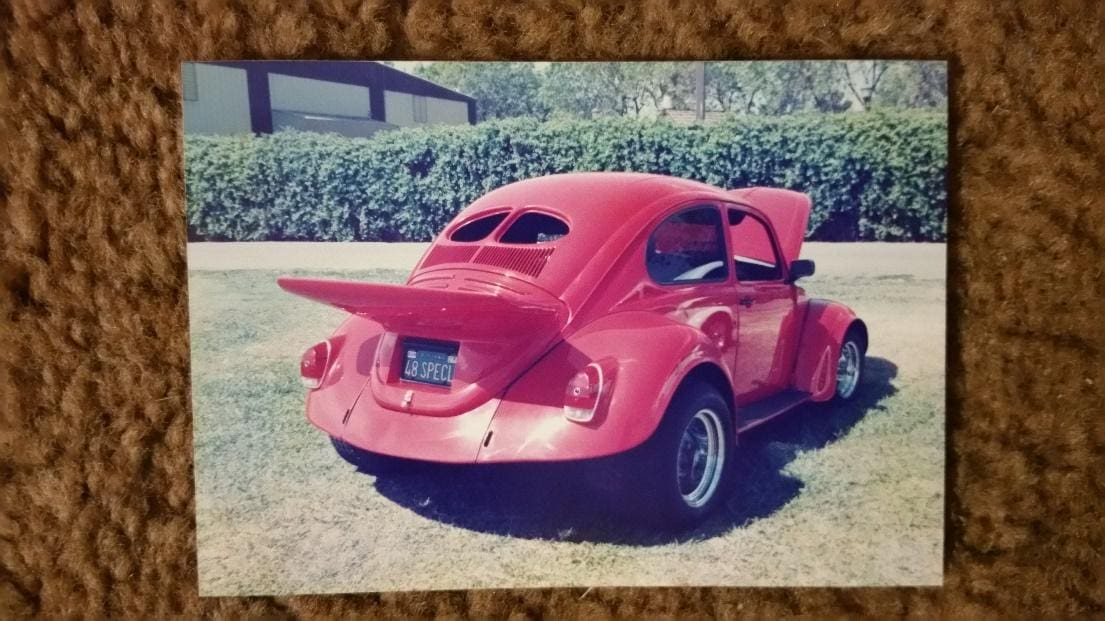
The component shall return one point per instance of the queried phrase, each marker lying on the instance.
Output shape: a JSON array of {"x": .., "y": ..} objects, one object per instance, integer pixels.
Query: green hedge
[{"x": 872, "y": 176}]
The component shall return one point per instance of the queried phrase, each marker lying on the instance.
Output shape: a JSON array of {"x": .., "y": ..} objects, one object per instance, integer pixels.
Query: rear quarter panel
[
  {"x": 644, "y": 356},
  {"x": 353, "y": 349}
]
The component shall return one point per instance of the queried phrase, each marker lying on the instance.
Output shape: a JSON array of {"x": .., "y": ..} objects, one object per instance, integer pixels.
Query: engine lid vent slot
[
  {"x": 529, "y": 261},
  {"x": 449, "y": 254}
]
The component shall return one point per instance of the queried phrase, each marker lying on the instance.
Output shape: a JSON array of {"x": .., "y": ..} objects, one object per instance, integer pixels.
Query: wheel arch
[
  {"x": 711, "y": 374},
  {"x": 859, "y": 327},
  {"x": 645, "y": 374},
  {"x": 825, "y": 327}
]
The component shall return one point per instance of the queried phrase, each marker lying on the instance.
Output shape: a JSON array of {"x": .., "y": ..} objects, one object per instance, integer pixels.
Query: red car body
[{"x": 564, "y": 313}]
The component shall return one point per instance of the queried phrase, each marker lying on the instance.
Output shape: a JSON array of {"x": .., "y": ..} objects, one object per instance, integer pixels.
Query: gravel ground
[{"x": 842, "y": 496}]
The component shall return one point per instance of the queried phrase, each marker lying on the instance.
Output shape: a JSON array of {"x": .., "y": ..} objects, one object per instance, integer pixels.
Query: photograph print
[{"x": 466, "y": 325}]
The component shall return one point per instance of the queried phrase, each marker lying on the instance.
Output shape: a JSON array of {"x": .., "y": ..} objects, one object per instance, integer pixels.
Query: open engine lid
[
  {"x": 430, "y": 312},
  {"x": 788, "y": 211}
]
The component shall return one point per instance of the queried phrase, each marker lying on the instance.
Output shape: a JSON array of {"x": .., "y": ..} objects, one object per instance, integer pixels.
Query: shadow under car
[{"x": 559, "y": 501}]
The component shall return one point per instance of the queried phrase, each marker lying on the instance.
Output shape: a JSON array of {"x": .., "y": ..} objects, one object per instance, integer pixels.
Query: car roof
[
  {"x": 606, "y": 212},
  {"x": 609, "y": 196}
]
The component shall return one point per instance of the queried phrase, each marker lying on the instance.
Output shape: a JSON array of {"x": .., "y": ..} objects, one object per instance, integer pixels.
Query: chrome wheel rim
[
  {"x": 700, "y": 458},
  {"x": 847, "y": 370}
]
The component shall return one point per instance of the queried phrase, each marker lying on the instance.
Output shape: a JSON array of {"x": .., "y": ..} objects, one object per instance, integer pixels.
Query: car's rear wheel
[
  {"x": 684, "y": 469},
  {"x": 849, "y": 367},
  {"x": 367, "y": 461}
]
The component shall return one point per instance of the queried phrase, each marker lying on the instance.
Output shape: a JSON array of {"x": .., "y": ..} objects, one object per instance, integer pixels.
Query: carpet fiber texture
[{"x": 96, "y": 489}]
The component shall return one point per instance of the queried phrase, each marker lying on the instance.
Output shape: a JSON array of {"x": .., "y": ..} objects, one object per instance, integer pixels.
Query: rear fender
[
  {"x": 353, "y": 348},
  {"x": 643, "y": 365},
  {"x": 825, "y": 325}
]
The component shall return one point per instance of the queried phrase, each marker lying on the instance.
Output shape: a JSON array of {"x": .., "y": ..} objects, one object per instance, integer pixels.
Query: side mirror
[{"x": 800, "y": 268}]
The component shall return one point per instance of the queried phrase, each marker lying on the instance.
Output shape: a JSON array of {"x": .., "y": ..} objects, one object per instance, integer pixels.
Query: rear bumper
[
  {"x": 445, "y": 439},
  {"x": 496, "y": 432}
]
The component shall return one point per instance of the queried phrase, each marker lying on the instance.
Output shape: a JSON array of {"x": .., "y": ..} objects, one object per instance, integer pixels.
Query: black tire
[
  {"x": 664, "y": 471},
  {"x": 369, "y": 462},
  {"x": 853, "y": 345}
]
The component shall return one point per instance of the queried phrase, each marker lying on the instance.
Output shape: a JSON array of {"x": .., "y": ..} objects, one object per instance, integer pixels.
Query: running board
[{"x": 755, "y": 414}]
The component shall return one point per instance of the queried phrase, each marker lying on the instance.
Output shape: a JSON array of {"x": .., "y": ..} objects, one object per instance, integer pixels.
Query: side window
[
  {"x": 753, "y": 253},
  {"x": 688, "y": 247}
]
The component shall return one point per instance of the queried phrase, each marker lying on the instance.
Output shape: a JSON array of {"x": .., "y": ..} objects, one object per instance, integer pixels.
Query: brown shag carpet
[{"x": 96, "y": 507}]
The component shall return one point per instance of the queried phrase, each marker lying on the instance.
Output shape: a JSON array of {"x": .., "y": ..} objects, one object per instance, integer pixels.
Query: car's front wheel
[
  {"x": 849, "y": 367},
  {"x": 685, "y": 467}
]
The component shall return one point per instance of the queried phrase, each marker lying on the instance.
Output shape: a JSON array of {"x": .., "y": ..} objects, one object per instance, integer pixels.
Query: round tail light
[
  {"x": 582, "y": 394},
  {"x": 313, "y": 364}
]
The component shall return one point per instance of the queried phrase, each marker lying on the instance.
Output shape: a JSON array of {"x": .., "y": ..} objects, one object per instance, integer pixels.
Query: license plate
[{"x": 428, "y": 362}]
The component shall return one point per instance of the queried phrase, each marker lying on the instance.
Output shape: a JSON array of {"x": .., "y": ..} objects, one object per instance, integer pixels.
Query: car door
[{"x": 765, "y": 306}]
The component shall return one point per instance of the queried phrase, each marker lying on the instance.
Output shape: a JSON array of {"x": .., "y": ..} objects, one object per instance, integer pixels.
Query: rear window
[
  {"x": 478, "y": 228},
  {"x": 534, "y": 228}
]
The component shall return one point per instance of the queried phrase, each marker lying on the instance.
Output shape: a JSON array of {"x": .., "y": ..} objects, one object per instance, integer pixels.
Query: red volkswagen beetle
[{"x": 577, "y": 316}]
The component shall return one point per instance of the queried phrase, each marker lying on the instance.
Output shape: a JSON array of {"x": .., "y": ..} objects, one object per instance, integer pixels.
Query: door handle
[{"x": 747, "y": 301}]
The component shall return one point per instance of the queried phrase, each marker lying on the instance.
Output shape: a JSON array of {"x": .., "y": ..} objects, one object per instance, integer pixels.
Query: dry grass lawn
[{"x": 827, "y": 496}]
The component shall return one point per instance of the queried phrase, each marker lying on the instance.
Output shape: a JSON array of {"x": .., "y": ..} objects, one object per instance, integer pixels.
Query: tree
[
  {"x": 863, "y": 77},
  {"x": 592, "y": 89},
  {"x": 774, "y": 88},
  {"x": 822, "y": 80},
  {"x": 784, "y": 88},
  {"x": 655, "y": 86},
  {"x": 501, "y": 89},
  {"x": 583, "y": 90},
  {"x": 914, "y": 84},
  {"x": 732, "y": 86}
]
